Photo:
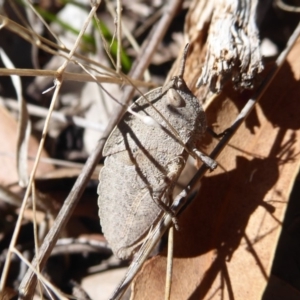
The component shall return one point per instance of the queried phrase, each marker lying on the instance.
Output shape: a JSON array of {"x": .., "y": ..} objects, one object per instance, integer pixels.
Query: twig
[
  {"x": 48, "y": 160},
  {"x": 169, "y": 263},
  {"x": 166, "y": 220},
  {"x": 129, "y": 37},
  {"x": 149, "y": 46},
  {"x": 45, "y": 23},
  {"x": 46, "y": 44},
  {"x": 46, "y": 283},
  {"x": 38, "y": 111},
  {"x": 119, "y": 34},
  {"x": 35, "y": 231},
  {"x": 72, "y": 76},
  {"x": 148, "y": 22}
]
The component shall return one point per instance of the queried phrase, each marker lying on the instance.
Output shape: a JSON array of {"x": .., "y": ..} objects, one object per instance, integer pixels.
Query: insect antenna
[{"x": 183, "y": 59}]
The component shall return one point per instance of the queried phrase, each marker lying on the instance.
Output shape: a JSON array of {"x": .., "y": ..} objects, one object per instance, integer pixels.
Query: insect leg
[{"x": 162, "y": 192}]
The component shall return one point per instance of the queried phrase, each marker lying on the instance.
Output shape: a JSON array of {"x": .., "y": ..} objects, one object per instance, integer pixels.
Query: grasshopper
[{"x": 143, "y": 162}]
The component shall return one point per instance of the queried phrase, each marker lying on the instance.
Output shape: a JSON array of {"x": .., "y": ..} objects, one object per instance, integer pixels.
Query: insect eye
[{"x": 174, "y": 99}]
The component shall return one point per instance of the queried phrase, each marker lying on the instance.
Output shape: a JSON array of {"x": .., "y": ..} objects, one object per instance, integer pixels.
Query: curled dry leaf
[
  {"x": 8, "y": 136},
  {"x": 229, "y": 234},
  {"x": 24, "y": 124}
]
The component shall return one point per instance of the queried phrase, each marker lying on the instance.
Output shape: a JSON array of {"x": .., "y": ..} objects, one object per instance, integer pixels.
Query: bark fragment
[{"x": 232, "y": 45}]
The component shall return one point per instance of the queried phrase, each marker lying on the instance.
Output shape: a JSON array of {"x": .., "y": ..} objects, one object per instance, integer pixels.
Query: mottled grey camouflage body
[{"x": 144, "y": 162}]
